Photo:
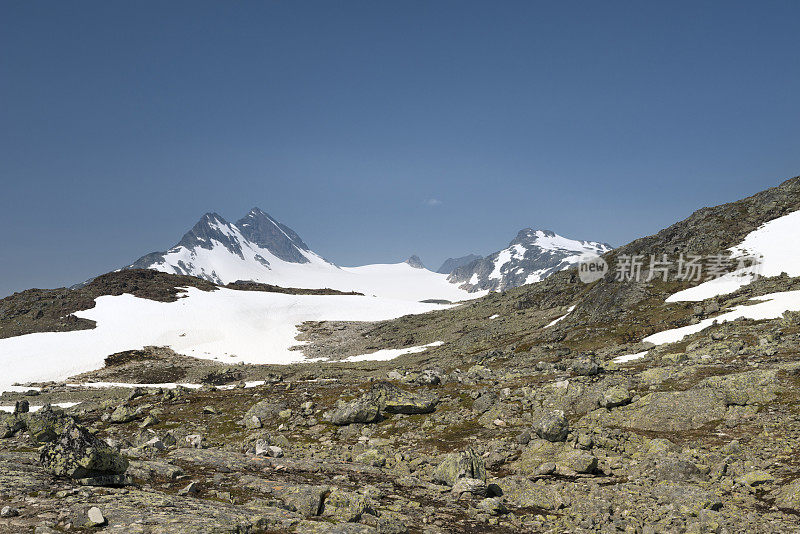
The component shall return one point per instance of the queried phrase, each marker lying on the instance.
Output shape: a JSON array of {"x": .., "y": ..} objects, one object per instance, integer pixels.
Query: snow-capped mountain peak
[
  {"x": 415, "y": 262},
  {"x": 261, "y": 229},
  {"x": 212, "y": 229},
  {"x": 530, "y": 257},
  {"x": 258, "y": 248}
]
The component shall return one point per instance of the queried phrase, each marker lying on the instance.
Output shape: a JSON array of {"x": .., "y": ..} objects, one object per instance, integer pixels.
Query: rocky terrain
[{"x": 526, "y": 417}]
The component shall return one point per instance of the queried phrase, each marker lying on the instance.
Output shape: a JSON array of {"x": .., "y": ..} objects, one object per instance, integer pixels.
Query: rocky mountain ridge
[{"x": 530, "y": 257}]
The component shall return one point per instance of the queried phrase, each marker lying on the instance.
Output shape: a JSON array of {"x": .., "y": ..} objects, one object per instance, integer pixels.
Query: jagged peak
[{"x": 415, "y": 262}]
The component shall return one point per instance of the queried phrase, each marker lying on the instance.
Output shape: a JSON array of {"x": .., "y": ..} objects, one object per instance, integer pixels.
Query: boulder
[
  {"x": 79, "y": 454},
  {"x": 47, "y": 424},
  {"x": 552, "y": 426},
  {"x": 265, "y": 410},
  {"x": 472, "y": 486},
  {"x": 9, "y": 425},
  {"x": 123, "y": 414},
  {"x": 615, "y": 396},
  {"x": 373, "y": 457},
  {"x": 303, "y": 499},
  {"x": 544, "y": 457},
  {"x": 483, "y": 403},
  {"x": 361, "y": 410},
  {"x": 95, "y": 517},
  {"x": 460, "y": 465},
  {"x": 392, "y": 399},
  {"x": 789, "y": 496},
  {"x": 345, "y": 506}
]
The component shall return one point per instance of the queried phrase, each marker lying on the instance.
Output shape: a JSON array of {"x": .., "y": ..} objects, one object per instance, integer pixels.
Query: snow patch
[
  {"x": 228, "y": 325},
  {"x": 769, "y": 306},
  {"x": 10, "y": 409},
  {"x": 775, "y": 242},
  {"x": 571, "y": 308},
  {"x": 390, "y": 354},
  {"x": 629, "y": 357}
]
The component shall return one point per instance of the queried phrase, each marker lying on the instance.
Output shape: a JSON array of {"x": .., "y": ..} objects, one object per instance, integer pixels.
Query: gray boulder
[
  {"x": 361, "y": 410},
  {"x": 80, "y": 454},
  {"x": 460, "y": 465},
  {"x": 552, "y": 426}
]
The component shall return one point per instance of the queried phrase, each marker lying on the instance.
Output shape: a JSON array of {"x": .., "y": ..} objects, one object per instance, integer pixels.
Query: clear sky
[{"x": 378, "y": 130}]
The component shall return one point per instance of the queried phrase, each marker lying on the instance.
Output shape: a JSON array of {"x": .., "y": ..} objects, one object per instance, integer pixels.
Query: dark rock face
[
  {"x": 530, "y": 257},
  {"x": 211, "y": 227},
  {"x": 261, "y": 229},
  {"x": 451, "y": 264},
  {"x": 415, "y": 262}
]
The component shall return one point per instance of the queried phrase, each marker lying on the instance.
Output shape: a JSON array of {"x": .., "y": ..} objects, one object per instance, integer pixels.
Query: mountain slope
[
  {"x": 258, "y": 248},
  {"x": 450, "y": 264},
  {"x": 531, "y": 257}
]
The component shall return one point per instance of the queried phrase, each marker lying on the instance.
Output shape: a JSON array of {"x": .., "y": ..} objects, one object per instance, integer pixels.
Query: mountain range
[{"x": 261, "y": 249}]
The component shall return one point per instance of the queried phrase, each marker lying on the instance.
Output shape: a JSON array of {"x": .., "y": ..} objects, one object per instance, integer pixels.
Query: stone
[
  {"x": 615, "y": 396},
  {"x": 80, "y": 454},
  {"x": 22, "y": 406},
  {"x": 265, "y": 410},
  {"x": 9, "y": 511},
  {"x": 677, "y": 469},
  {"x": 345, "y": 506},
  {"x": 553, "y": 426},
  {"x": 274, "y": 451},
  {"x": 546, "y": 457},
  {"x": 253, "y": 422},
  {"x": 303, "y": 499},
  {"x": 95, "y": 517},
  {"x": 261, "y": 447},
  {"x": 149, "y": 421},
  {"x": 195, "y": 441},
  {"x": 373, "y": 457},
  {"x": 47, "y": 424},
  {"x": 460, "y": 465},
  {"x": 191, "y": 489},
  {"x": 473, "y": 486},
  {"x": 492, "y": 506},
  {"x": 789, "y": 496},
  {"x": 584, "y": 367},
  {"x": 9, "y": 425},
  {"x": 123, "y": 414},
  {"x": 362, "y": 410},
  {"x": 483, "y": 403},
  {"x": 392, "y": 399},
  {"x": 669, "y": 411}
]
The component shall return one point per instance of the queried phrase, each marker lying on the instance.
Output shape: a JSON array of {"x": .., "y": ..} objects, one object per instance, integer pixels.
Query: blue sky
[{"x": 378, "y": 130}]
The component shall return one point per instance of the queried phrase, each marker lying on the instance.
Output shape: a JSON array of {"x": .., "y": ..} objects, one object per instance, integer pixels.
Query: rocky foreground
[{"x": 697, "y": 437}]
